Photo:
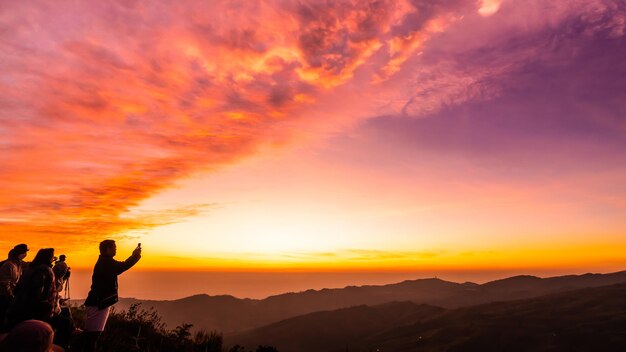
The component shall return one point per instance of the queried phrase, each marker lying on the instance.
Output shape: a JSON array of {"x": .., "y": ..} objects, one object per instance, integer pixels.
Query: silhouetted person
[
  {"x": 103, "y": 293},
  {"x": 35, "y": 292},
  {"x": 61, "y": 272},
  {"x": 62, "y": 322},
  {"x": 36, "y": 297},
  {"x": 20, "y": 248},
  {"x": 10, "y": 272}
]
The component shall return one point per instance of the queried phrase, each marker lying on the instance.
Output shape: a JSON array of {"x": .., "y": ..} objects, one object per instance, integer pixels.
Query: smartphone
[{"x": 138, "y": 245}]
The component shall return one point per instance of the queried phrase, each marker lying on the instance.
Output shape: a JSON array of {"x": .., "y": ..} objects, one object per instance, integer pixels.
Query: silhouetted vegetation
[{"x": 138, "y": 329}]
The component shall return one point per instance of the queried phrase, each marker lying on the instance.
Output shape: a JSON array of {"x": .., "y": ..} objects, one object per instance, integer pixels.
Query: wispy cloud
[{"x": 363, "y": 255}]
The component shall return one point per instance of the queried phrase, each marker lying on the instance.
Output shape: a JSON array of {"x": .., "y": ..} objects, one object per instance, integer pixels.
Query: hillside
[
  {"x": 339, "y": 328},
  {"x": 230, "y": 314},
  {"x": 591, "y": 319}
]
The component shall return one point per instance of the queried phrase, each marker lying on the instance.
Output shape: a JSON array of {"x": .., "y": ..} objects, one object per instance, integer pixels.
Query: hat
[{"x": 21, "y": 248}]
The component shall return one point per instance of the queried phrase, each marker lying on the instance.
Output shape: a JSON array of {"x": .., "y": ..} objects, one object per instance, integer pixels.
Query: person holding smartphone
[{"x": 103, "y": 293}]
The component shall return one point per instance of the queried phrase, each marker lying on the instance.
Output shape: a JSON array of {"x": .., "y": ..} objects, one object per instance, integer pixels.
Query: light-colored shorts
[{"x": 96, "y": 319}]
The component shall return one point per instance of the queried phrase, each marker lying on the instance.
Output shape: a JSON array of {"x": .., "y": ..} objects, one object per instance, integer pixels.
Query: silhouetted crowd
[
  {"x": 34, "y": 299},
  {"x": 31, "y": 300}
]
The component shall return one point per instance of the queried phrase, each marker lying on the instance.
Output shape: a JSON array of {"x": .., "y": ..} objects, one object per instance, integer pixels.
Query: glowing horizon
[{"x": 306, "y": 135}]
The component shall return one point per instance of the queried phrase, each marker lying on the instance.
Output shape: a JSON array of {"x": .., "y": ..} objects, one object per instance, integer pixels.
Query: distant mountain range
[
  {"x": 229, "y": 314},
  {"x": 590, "y": 319}
]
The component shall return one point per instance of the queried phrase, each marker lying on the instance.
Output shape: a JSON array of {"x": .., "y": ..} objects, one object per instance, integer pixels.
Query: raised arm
[{"x": 121, "y": 267}]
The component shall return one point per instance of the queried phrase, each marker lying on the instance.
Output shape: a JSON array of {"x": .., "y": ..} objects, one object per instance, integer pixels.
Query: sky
[{"x": 317, "y": 135}]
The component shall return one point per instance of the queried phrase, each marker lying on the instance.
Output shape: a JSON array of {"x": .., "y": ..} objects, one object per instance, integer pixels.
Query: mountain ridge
[
  {"x": 587, "y": 319},
  {"x": 230, "y": 314}
]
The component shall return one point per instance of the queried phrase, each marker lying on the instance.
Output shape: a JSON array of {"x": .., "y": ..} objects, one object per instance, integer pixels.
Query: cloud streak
[{"x": 108, "y": 104}]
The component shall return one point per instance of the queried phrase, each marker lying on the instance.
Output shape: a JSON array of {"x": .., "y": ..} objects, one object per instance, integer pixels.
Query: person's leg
[
  {"x": 95, "y": 320},
  {"x": 90, "y": 340}
]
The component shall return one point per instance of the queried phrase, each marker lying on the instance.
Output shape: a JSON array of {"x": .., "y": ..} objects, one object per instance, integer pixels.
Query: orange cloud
[{"x": 107, "y": 105}]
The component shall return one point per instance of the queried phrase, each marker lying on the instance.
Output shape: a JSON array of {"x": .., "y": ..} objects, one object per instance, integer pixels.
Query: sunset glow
[{"x": 317, "y": 136}]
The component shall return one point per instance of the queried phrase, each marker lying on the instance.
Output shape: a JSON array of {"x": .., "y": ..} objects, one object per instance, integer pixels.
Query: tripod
[{"x": 66, "y": 308}]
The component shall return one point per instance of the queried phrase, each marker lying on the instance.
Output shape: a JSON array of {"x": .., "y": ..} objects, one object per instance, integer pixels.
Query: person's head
[
  {"x": 13, "y": 254},
  {"x": 30, "y": 335},
  {"x": 44, "y": 256},
  {"x": 62, "y": 258},
  {"x": 108, "y": 248},
  {"x": 21, "y": 250}
]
